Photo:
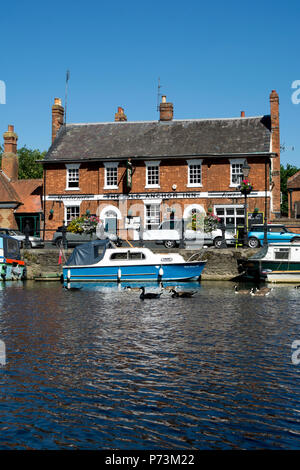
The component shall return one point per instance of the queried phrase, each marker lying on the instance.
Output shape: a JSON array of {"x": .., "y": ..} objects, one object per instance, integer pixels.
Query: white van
[{"x": 169, "y": 234}]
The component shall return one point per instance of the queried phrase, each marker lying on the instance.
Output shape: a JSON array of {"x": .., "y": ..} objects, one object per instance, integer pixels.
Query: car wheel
[
  {"x": 296, "y": 239},
  {"x": 218, "y": 242},
  {"x": 170, "y": 244},
  {"x": 253, "y": 242}
]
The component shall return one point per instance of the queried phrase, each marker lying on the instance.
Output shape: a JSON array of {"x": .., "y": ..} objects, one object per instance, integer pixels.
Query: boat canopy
[
  {"x": 10, "y": 247},
  {"x": 88, "y": 253}
]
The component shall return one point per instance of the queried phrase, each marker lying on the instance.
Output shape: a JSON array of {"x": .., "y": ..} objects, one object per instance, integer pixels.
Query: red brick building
[
  {"x": 293, "y": 187},
  {"x": 20, "y": 200},
  {"x": 140, "y": 173}
]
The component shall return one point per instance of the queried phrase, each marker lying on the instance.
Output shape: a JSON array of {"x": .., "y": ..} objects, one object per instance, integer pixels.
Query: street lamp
[
  {"x": 245, "y": 190},
  {"x": 266, "y": 205}
]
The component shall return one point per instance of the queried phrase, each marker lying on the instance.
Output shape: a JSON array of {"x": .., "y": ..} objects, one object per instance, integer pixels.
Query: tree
[
  {"x": 28, "y": 168},
  {"x": 285, "y": 173}
]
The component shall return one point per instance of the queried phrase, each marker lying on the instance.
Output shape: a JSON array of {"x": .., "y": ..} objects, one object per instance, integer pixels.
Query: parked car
[
  {"x": 74, "y": 239},
  {"x": 276, "y": 233},
  {"x": 35, "y": 242},
  {"x": 169, "y": 234}
]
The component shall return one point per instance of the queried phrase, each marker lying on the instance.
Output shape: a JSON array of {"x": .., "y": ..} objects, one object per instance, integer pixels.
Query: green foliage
[
  {"x": 202, "y": 222},
  {"x": 28, "y": 168},
  {"x": 285, "y": 173},
  {"x": 86, "y": 224}
]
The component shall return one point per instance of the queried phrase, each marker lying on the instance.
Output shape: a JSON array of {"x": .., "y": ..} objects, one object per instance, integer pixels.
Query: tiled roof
[
  {"x": 293, "y": 182},
  {"x": 7, "y": 192},
  {"x": 30, "y": 193},
  {"x": 119, "y": 140}
]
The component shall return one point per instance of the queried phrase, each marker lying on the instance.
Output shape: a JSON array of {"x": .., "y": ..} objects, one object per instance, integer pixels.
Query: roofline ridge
[{"x": 122, "y": 123}]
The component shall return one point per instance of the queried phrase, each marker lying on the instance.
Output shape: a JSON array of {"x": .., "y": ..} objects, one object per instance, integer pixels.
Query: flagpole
[{"x": 66, "y": 94}]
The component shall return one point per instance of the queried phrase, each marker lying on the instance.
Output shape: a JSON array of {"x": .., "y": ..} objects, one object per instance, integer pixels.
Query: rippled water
[{"x": 97, "y": 368}]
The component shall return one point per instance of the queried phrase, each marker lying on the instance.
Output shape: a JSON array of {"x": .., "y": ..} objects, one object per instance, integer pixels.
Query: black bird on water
[
  {"x": 149, "y": 295},
  {"x": 175, "y": 293}
]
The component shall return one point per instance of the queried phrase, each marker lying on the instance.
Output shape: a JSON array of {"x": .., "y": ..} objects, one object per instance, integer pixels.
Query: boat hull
[
  {"x": 11, "y": 270},
  {"x": 134, "y": 273},
  {"x": 282, "y": 276},
  {"x": 258, "y": 268}
]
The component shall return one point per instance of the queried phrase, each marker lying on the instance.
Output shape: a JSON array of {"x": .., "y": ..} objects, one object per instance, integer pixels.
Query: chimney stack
[
  {"x": 166, "y": 110},
  {"x": 57, "y": 117},
  {"x": 10, "y": 161},
  {"x": 242, "y": 114},
  {"x": 120, "y": 116},
  {"x": 275, "y": 162}
]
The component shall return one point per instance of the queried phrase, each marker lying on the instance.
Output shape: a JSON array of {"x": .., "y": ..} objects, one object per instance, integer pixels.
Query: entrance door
[
  {"x": 110, "y": 222},
  {"x": 33, "y": 221}
]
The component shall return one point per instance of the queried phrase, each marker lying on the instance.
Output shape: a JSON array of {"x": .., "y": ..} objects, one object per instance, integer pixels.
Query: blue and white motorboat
[{"x": 98, "y": 261}]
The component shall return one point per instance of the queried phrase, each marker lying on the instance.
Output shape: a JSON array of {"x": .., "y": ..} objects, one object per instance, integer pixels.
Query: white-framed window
[
  {"x": 72, "y": 179},
  {"x": 72, "y": 210},
  {"x": 236, "y": 171},
  {"x": 111, "y": 175},
  {"x": 231, "y": 215},
  {"x": 152, "y": 174},
  {"x": 152, "y": 214},
  {"x": 194, "y": 173}
]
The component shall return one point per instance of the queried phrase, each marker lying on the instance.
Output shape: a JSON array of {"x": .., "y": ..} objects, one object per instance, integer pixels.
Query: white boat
[
  {"x": 96, "y": 261},
  {"x": 278, "y": 262}
]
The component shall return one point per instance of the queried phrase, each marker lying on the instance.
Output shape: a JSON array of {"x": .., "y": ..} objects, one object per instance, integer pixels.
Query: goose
[
  {"x": 261, "y": 292},
  {"x": 175, "y": 293},
  {"x": 149, "y": 295},
  {"x": 297, "y": 287},
  {"x": 68, "y": 287},
  {"x": 242, "y": 291}
]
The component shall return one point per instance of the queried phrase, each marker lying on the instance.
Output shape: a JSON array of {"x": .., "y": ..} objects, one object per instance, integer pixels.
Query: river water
[{"x": 98, "y": 368}]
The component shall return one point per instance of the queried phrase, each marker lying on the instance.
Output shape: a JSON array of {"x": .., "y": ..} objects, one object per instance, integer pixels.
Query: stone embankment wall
[{"x": 222, "y": 264}]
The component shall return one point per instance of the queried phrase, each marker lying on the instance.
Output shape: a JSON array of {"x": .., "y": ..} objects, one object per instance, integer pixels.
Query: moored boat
[
  {"x": 11, "y": 265},
  {"x": 98, "y": 261},
  {"x": 277, "y": 262}
]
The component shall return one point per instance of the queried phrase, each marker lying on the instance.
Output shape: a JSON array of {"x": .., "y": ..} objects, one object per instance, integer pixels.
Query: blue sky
[{"x": 214, "y": 59}]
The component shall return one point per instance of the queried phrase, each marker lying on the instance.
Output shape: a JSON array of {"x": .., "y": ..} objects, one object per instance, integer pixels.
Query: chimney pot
[
  {"x": 242, "y": 113},
  {"x": 166, "y": 110},
  {"x": 120, "y": 116}
]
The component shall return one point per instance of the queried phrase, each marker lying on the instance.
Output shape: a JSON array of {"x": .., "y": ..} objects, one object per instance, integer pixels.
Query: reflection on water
[{"x": 97, "y": 368}]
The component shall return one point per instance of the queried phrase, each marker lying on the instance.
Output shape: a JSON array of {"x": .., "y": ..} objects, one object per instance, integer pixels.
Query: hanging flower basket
[
  {"x": 84, "y": 224},
  {"x": 245, "y": 187}
]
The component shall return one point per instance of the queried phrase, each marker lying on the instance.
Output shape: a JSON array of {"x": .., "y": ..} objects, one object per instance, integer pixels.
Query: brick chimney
[
  {"x": 10, "y": 161},
  {"x": 275, "y": 162},
  {"x": 120, "y": 116},
  {"x": 57, "y": 117},
  {"x": 166, "y": 110}
]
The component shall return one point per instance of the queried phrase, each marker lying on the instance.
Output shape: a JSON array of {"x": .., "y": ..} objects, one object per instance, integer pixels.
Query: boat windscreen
[
  {"x": 11, "y": 247},
  {"x": 261, "y": 253},
  {"x": 88, "y": 253}
]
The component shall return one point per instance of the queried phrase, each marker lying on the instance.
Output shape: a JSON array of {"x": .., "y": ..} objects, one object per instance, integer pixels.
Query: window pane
[
  {"x": 152, "y": 216},
  {"x": 111, "y": 176},
  {"x": 153, "y": 175},
  {"x": 236, "y": 173},
  {"x": 72, "y": 213},
  {"x": 73, "y": 178},
  {"x": 195, "y": 174}
]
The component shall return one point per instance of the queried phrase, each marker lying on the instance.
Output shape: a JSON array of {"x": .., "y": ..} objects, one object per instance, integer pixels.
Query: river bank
[{"x": 222, "y": 264}]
